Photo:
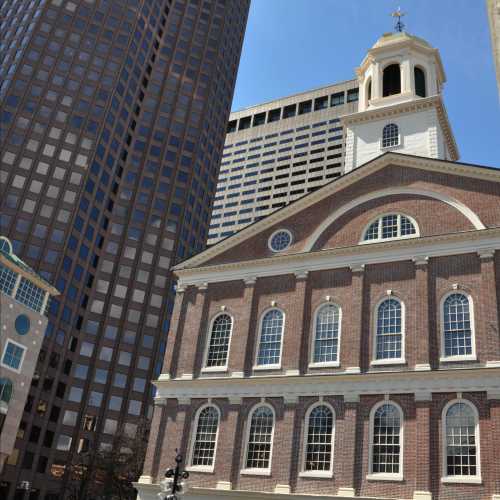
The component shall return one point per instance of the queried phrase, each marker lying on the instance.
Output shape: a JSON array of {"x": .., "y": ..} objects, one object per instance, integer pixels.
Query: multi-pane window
[
  {"x": 389, "y": 335},
  {"x": 390, "y": 135},
  {"x": 13, "y": 355},
  {"x": 30, "y": 295},
  {"x": 457, "y": 329},
  {"x": 220, "y": 336},
  {"x": 386, "y": 440},
  {"x": 390, "y": 226},
  {"x": 260, "y": 438},
  {"x": 7, "y": 280},
  {"x": 271, "y": 335},
  {"x": 462, "y": 440},
  {"x": 206, "y": 437},
  {"x": 326, "y": 335},
  {"x": 319, "y": 444}
]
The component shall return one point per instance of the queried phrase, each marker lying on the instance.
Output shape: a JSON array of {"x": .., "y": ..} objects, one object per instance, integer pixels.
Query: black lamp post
[{"x": 172, "y": 485}]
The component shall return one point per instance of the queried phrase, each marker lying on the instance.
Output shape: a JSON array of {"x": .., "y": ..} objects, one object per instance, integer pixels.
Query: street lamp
[{"x": 170, "y": 486}]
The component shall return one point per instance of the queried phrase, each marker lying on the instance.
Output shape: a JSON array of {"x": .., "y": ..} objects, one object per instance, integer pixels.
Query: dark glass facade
[{"x": 113, "y": 117}]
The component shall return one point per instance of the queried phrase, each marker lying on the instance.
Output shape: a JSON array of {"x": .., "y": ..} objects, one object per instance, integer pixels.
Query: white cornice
[
  {"x": 353, "y": 257},
  {"x": 398, "y": 159},
  {"x": 342, "y": 384}
]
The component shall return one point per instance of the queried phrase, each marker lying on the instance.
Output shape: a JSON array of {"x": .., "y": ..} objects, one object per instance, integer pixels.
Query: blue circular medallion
[{"x": 22, "y": 324}]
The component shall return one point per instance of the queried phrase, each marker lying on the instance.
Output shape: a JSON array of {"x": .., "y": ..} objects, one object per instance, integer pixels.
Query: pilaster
[
  {"x": 350, "y": 348},
  {"x": 423, "y": 401},
  {"x": 421, "y": 337},
  {"x": 174, "y": 337},
  {"x": 153, "y": 452}
]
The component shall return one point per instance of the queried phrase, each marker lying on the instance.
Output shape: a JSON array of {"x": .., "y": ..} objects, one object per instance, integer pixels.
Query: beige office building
[
  {"x": 277, "y": 152},
  {"x": 494, "y": 17}
]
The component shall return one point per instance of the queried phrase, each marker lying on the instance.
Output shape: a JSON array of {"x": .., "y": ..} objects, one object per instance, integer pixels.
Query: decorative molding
[
  {"x": 224, "y": 485},
  {"x": 423, "y": 396},
  {"x": 145, "y": 480},
  {"x": 357, "y": 268},
  {"x": 250, "y": 281},
  {"x": 422, "y": 495},
  {"x": 290, "y": 399},
  {"x": 421, "y": 260},
  {"x": 422, "y": 367},
  {"x": 235, "y": 400},
  {"x": 487, "y": 253},
  {"x": 355, "y": 257},
  {"x": 351, "y": 398},
  {"x": 493, "y": 394},
  {"x": 283, "y": 489},
  {"x": 160, "y": 401},
  {"x": 203, "y": 286},
  {"x": 183, "y": 400},
  {"x": 345, "y": 491},
  {"x": 301, "y": 275},
  {"x": 451, "y": 380}
]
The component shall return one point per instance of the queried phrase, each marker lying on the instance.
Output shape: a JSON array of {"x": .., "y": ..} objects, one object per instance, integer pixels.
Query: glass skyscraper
[{"x": 113, "y": 117}]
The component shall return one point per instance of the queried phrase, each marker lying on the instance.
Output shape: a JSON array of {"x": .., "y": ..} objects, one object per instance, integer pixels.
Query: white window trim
[
  {"x": 23, "y": 347},
  {"x": 460, "y": 479},
  {"x": 310, "y": 473},
  {"x": 273, "y": 366},
  {"x": 281, "y": 230},
  {"x": 255, "y": 471},
  {"x": 399, "y": 145},
  {"x": 389, "y": 361},
  {"x": 222, "y": 368},
  {"x": 324, "y": 364},
  {"x": 380, "y": 239},
  {"x": 465, "y": 357},
  {"x": 194, "y": 429},
  {"x": 384, "y": 476}
]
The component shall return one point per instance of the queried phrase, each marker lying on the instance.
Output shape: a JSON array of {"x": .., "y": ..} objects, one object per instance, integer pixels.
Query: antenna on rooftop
[{"x": 399, "y": 26}]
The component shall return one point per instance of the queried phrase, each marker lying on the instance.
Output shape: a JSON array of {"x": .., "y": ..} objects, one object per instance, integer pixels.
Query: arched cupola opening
[
  {"x": 419, "y": 75},
  {"x": 368, "y": 91},
  {"x": 392, "y": 80}
]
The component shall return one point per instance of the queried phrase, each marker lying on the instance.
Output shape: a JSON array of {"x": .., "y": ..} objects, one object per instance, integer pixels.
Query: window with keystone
[
  {"x": 458, "y": 341},
  {"x": 271, "y": 336},
  {"x": 205, "y": 440},
  {"x": 389, "y": 331},
  {"x": 327, "y": 334},
  {"x": 260, "y": 438},
  {"x": 220, "y": 336},
  {"x": 318, "y": 453}
]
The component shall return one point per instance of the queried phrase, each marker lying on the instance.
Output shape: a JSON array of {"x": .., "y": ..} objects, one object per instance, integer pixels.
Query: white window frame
[
  {"x": 194, "y": 430},
  {"x": 399, "y": 144},
  {"x": 383, "y": 476},
  {"x": 255, "y": 471},
  {"x": 310, "y": 473},
  {"x": 274, "y": 366},
  {"x": 17, "y": 344},
  {"x": 281, "y": 230},
  {"x": 464, "y": 357},
  {"x": 389, "y": 361},
  {"x": 379, "y": 217},
  {"x": 222, "y": 368},
  {"x": 324, "y": 364},
  {"x": 460, "y": 479}
]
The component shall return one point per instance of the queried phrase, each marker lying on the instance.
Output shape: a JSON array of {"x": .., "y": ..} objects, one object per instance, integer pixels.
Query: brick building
[{"x": 348, "y": 344}]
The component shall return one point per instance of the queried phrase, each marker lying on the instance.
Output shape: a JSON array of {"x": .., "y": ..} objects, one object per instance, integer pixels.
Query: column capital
[
  {"x": 493, "y": 394},
  {"x": 486, "y": 253},
  {"x": 290, "y": 399},
  {"x": 423, "y": 396},
  {"x": 202, "y": 286},
  {"x": 351, "y": 398},
  {"x": 357, "y": 268},
  {"x": 301, "y": 275},
  {"x": 420, "y": 260},
  {"x": 159, "y": 401},
  {"x": 250, "y": 280}
]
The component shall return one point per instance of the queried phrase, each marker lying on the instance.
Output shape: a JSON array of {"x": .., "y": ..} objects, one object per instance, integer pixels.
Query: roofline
[
  {"x": 318, "y": 195},
  {"x": 343, "y": 82}
]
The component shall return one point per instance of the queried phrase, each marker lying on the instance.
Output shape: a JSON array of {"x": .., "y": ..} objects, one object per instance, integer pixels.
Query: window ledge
[
  {"x": 200, "y": 468},
  {"x": 255, "y": 472},
  {"x": 267, "y": 367},
  {"x": 389, "y": 361},
  {"x": 316, "y": 474},
  {"x": 461, "y": 479},
  {"x": 214, "y": 369},
  {"x": 384, "y": 477},
  {"x": 326, "y": 364},
  {"x": 453, "y": 359}
]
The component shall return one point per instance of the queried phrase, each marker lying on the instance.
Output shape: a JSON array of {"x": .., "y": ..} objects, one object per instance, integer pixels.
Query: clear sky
[{"x": 297, "y": 45}]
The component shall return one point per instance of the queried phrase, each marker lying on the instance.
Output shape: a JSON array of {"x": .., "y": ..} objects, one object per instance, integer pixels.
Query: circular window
[
  {"x": 22, "y": 324},
  {"x": 280, "y": 240}
]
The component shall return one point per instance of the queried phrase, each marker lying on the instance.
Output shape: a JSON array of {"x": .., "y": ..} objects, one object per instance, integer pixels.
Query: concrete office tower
[
  {"x": 493, "y": 7},
  {"x": 23, "y": 302},
  {"x": 113, "y": 121},
  {"x": 277, "y": 152}
]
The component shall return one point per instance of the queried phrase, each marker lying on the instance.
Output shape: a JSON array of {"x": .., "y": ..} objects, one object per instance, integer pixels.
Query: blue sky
[{"x": 296, "y": 45}]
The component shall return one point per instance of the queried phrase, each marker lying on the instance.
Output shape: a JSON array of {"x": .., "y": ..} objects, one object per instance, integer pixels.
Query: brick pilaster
[
  {"x": 494, "y": 411},
  {"x": 351, "y": 342},
  {"x": 241, "y": 331},
  {"x": 175, "y": 334},
  {"x": 347, "y": 448},
  {"x": 294, "y": 327},
  {"x": 423, "y": 403},
  {"x": 420, "y": 343},
  {"x": 490, "y": 350}
]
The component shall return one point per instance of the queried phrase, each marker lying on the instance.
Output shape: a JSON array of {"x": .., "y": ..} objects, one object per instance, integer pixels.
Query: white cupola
[{"x": 400, "y": 103}]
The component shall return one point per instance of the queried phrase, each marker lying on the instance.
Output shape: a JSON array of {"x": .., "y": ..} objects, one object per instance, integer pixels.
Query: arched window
[
  {"x": 260, "y": 438},
  {"x": 392, "y": 80},
  {"x": 390, "y": 136},
  {"x": 457, "y": 332},
  {"x": 271, "y": 335},
  {"x": 461, "y": 440},
  {"x": 5, "y": 390},
  {"x": 318, "y": 450},
  {"x": 389, "y": 334},
  {"x": 220, "y": 336},
  {"x": 386, "y": 442},
  {"x": 205, "y": 441},
  {"x": 419, "y": 81},
  {"x": 391, "y": 226},
  {"x": 368, "y": 91},
  {"x": 327, "y": 334}
]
